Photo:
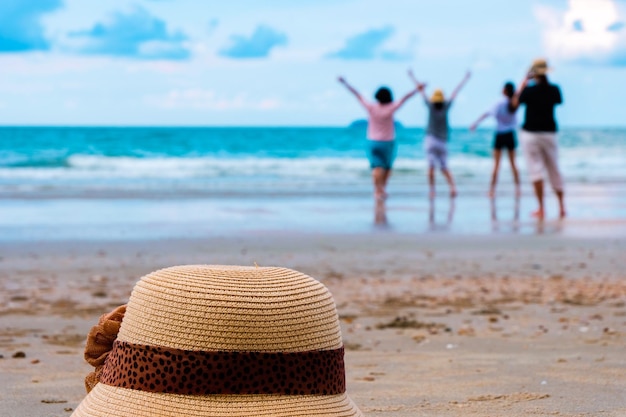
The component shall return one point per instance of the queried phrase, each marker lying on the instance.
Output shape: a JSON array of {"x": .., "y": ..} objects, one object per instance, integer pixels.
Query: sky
[{"x": 276, "y": 63}]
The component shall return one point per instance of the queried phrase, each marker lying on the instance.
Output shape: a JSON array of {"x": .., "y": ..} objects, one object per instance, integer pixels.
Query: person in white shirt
[{"x": 506, "y": 124}]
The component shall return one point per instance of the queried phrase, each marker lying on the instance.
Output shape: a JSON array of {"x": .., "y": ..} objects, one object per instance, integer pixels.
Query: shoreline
[{"x": 135, "y": 218}]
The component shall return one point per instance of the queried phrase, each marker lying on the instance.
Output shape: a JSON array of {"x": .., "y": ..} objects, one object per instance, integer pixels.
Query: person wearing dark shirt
[
  {"x": 435, "y": 142},
  {"x": 539, "y": 132}
]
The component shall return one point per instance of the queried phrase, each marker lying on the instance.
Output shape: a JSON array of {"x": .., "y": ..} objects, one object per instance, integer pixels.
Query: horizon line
[{"x": 268, "y": 126}]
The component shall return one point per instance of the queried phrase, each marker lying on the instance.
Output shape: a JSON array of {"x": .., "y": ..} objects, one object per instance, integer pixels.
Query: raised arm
[
  {"x": 351, "y": 89},
  {"x": 461, "y": 84},
  {"x": 421, "y": 87},
  {"x": 515, "y": 99},
  {"x": 407, "y": 96},
  {"x": 478, "y": 121}
]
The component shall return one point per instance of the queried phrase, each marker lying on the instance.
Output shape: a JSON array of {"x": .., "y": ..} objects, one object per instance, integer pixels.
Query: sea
[{"x": 156, "y": 182}]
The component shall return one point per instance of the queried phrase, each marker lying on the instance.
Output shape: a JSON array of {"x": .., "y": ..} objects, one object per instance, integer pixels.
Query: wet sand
[{"x": 435, "y": 324}]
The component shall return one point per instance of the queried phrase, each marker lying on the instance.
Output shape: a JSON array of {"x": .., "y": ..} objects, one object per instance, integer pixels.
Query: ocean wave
[
  {"x": 87, "y": 166},
  {"x": 579, "y": 164},
  {"x": 215, "y": 167},
  {"x": 576, "y": 163},
  {"x": 33, "y": 161}
]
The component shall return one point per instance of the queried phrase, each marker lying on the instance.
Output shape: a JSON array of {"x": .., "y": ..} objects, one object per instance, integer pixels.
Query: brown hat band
[{"x": 175, "y": 371}]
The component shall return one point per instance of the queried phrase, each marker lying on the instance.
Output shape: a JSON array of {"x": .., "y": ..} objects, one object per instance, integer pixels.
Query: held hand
[
  {"x": 472, "y": 128},
  {"x": 468, "y": 74},
  {"x": 341, "y": 80}
]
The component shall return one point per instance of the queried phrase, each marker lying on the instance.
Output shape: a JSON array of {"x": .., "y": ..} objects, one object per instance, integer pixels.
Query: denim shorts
[{"x": 381, "y": 153}]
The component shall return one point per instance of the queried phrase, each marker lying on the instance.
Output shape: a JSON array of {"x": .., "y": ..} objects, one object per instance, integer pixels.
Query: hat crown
[
  {"x": 231, "y": 308},
  {"x": 539, "y": 66},
  {"x": 437, "y": 96}
]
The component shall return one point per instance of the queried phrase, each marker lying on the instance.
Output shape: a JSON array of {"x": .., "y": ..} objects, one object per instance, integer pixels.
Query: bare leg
[
  {"x": 378, "y": 177},
  {"x": 386, "y": 175},
  {"x": 431, "y": 181},
  {"x": 559, "y": 196},
  {"x": 497, "y": 153},
  {"x": 515, "y": 172},
  {"x": 538, "y": 187},
  {"x": 446, "y": 173}
]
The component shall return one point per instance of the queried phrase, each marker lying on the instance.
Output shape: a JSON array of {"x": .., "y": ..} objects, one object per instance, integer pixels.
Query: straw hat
[
  {"x": 539, "y": 67},
  {"x": 437, "y": 96},
  {"x": 210, "y": 340}
]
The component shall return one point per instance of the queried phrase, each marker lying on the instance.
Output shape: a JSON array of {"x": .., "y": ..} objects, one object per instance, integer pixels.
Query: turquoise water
[
  {"x": 277, "y": 160},
  {"x": 153, "y": 182}
]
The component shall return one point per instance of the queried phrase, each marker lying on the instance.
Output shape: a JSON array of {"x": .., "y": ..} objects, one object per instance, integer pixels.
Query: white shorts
[
  {"x": 436, "y": 152},
  {"x": 540, "y": 150}
]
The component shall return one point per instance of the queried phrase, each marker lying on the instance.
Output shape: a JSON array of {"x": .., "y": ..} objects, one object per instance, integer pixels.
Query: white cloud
[
  {"x": 374, "y": 44},
  {"x": 21, "y": 29},
  {"x": 133, "y": 34},
  {"x": 269, "y": 104},
  {"x": 589, "y": 31},
  {"x": 200, "y": 99},
  {"x": 258, "y": 45},
  {"x": 38, "y": 64}
]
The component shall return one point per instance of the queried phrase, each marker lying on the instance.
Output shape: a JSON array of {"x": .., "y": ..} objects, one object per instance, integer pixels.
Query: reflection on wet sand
[
  {"x": 514, "y": 223},
  {"x": 434, "y": 226},
  {"x": 380, "y": 215}
]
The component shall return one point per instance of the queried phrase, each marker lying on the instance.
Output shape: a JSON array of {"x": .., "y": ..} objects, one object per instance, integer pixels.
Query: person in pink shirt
[{"x": 381, "y": 134}]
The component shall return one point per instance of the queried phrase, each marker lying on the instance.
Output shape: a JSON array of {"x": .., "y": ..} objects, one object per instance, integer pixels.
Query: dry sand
[{"x": 433, "y": 324}]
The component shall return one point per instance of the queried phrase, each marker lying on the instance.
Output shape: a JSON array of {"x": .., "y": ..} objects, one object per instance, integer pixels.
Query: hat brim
[
  {"x": 540, "y": 71},
  {"x": 105, "y": 400}
]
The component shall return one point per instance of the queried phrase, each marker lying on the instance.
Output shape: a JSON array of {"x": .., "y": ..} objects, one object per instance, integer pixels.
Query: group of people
[{"x": 537, "y": 135}]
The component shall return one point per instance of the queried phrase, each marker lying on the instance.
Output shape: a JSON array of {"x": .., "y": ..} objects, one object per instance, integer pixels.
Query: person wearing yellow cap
[
  {"x": 539, "y": 132},
  {"x": 435, "y": 143}
]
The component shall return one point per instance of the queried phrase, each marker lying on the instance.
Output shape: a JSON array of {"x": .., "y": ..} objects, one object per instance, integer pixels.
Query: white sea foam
[{"x": 577, "y": 164}]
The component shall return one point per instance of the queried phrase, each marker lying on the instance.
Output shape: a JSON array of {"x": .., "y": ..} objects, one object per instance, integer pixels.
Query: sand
[{"x": 442, "y": 325}]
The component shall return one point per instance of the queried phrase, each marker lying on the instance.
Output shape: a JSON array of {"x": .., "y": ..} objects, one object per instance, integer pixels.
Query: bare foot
[
  {"x": 452, "y": 192},
  {"x": 380, "y": 195},
  {"x": 562, "y": 214},
  {"x": 432, "y": 193},
  {"x": 538, "y": 214},
  {"x": 491, "y": 193},
  {"x": 518, "y": 191}
]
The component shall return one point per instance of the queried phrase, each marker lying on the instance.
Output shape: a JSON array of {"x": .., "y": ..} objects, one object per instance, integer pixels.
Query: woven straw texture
[
  {"x": 225, "y": 308},
  {"x": 107, "y": 401}
]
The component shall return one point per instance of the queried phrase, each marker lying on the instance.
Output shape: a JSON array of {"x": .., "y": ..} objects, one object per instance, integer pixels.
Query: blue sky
[{"x": 244, "y": 62}]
